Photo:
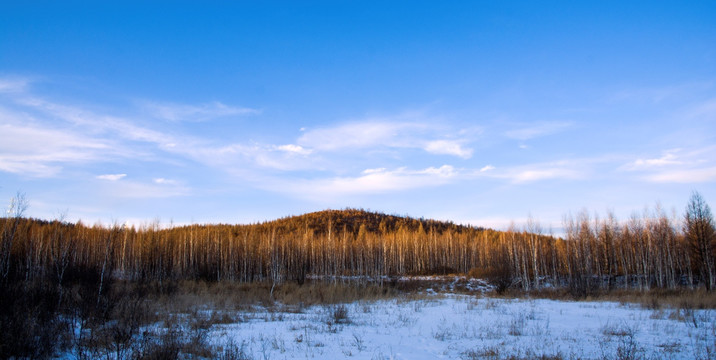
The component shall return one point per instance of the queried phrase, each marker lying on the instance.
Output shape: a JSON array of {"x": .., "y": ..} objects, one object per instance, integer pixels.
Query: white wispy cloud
[
  {"x": 677, "y": 166},
  {"x": 94, "y": 123},
  {"x": 111, "y": 177},
  {"x": 200, "y": 112},
  {"x": 143, "y": 190},
  {"x": 389, "y": 133},
  {"x": 41, "y": 152},
  {"x": 125, "y": 131},
  {"x": 520, "y": 174},
  {"x": 205, "y": 151},
  {"x": 370, "y": 181},
  {"x": 669, "y": 157},
  {"x": 531, "y": 131},
  {"x": 448, "y": 147},
  {"x": 295, "y": 149},
  {"x": 164, "y": 181},
  {"x": 28, "y": 168},
  {"x": 245, "y": 157},
  {"x": 40, "y": 137},
  {"x": 687, "y": 176},
  {"x": 531, "y": 175},
  {"x": 358, "y": 135},
  {"x": 13, "y": 84}
]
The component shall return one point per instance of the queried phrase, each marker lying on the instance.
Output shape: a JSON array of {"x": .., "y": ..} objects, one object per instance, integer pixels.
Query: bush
[
  {"x": 498, "y": 276},
  {"x": 167, "y": 348},
  {"x": 234, "y": 352},
  {"x": 338, "y": 315},
  {"x": 29, "y": 323}
]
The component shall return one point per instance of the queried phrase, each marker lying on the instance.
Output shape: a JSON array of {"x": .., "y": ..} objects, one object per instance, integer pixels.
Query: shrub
[
  {"x": 29, "y": 323},
  {"x": 498, "y": 275},
  {"x": 338, "y": 315},
  {"x": 234, "y": 352}
]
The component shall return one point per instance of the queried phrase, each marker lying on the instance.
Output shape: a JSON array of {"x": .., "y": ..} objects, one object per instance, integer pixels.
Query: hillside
[{"x": 351, "y": 220}]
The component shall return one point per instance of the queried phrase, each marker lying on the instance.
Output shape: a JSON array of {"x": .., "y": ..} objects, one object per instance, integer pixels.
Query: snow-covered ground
[{"x": 468, "y": 327}]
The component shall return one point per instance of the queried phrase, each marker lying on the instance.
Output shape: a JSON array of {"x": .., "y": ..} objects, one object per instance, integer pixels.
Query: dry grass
[
  {"x": 659, "y": 298},
  {"x": 189, "y": 296},
  {"x": 331, "y": 293},
  {"x": 493, "y": 353},
  {"x": 650, "y": 299}
]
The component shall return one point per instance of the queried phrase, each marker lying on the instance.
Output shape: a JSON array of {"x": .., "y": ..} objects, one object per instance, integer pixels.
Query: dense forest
[{"x": 647, "y": 251}]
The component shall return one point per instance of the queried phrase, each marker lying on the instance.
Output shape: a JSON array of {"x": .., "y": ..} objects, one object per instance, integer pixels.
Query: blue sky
[{"x": 476, "y": 112}]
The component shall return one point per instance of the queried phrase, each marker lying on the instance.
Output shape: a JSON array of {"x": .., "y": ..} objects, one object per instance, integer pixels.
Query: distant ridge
[{"x": 352, "y": 219}]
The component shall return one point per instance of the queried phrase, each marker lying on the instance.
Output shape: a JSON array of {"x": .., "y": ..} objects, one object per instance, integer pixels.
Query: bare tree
[
  {"x": 533, "y": 233},
  {"x": 15, "y": 211},
  {"x": 701, "y": 235},
  {"x": 60, "y": 249}
]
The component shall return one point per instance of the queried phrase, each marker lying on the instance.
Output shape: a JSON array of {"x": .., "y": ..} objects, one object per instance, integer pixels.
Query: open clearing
[{"x": 460, "y": 327}]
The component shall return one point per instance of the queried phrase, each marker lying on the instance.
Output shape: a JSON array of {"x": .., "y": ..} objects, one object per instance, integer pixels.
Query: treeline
[{"x": 646, "y": 251}]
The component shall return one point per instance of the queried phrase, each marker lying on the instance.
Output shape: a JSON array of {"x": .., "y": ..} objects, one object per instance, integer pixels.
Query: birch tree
[{"x": 701, "y": 235}]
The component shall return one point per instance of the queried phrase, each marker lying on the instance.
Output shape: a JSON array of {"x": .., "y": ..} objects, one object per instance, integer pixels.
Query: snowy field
[{"x": 468, "y": 327}]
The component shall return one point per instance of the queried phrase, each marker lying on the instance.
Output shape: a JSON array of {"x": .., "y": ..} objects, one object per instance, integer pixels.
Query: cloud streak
[
  {"x": 96, "y": 123},
  {"x": 448, "y": 147},
  {"x": 676, "y": 166},
  {"x": 538, "y": 130},
  {"x": 41, "y": 152},
  {"x": 375, "y": 134},
  {"x": 141, "y": 190},
  {"x": 523, "y": 174},
  {"x": 370, "y": 181},
  {"x": 359, "y": 135},
  {"x": 684, "y": 176},
  {"x": 201, "y": 112},
  {"x": 111, "y": 177},
  {"x": 669, "y": 157},
  {"x": 13, "y": 84}
]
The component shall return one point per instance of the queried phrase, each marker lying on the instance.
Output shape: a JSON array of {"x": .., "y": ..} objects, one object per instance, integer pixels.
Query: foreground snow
[{"x": 466, "y": 327}]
